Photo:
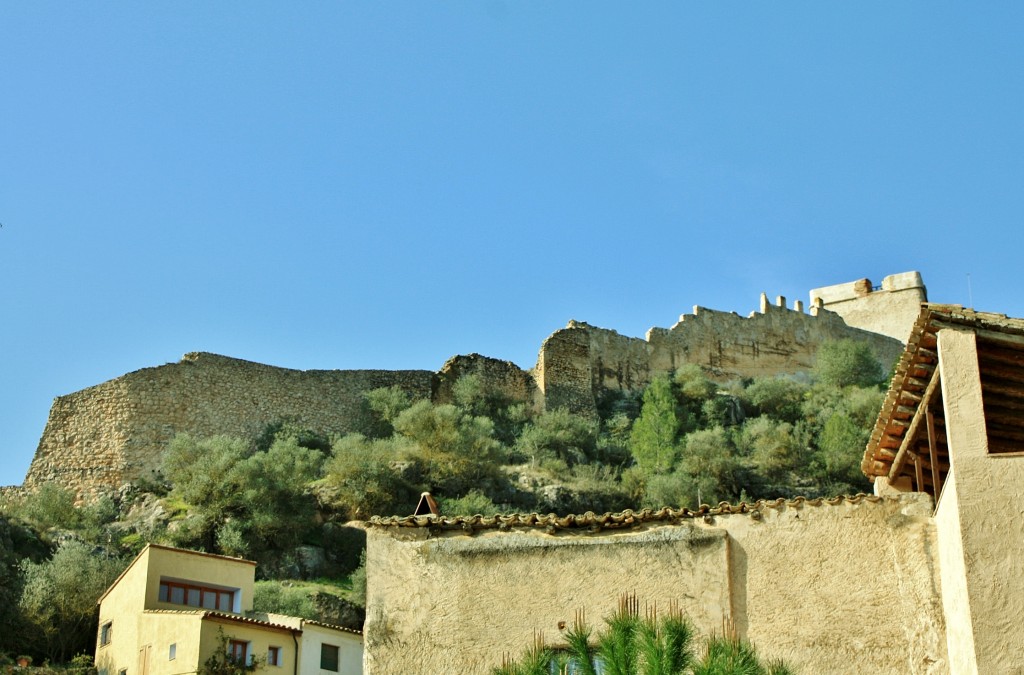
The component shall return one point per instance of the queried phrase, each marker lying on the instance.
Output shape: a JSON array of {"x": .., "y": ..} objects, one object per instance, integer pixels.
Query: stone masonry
[{"x": 115, "y": 432}]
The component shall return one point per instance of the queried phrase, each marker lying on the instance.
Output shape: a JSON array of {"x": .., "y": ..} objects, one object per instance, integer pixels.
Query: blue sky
[{"x": 385, "y": 185}]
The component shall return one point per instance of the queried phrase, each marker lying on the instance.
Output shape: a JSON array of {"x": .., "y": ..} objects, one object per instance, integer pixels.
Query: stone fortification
[
  {"x": 579, "y": 362},
  {"x": 801, "y": 579},
  {"x": 114, "y": 432},
  {"x": 889, "y": 309},
  {"x": 501, "y": 378}
]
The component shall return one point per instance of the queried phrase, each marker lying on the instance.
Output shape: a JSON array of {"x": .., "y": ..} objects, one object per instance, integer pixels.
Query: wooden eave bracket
[{"x": 920, "y": 418}]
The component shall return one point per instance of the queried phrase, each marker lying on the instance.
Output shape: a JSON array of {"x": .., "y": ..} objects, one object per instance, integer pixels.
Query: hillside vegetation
[{"x": 285, "y": 498}]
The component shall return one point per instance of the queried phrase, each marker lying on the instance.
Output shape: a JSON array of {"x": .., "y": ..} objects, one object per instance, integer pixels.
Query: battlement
[
  {"x": 114, "y": 432},
  {"x": 890, "y": 308}
]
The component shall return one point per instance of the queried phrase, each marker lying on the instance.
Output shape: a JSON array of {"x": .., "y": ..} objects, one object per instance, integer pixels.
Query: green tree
[
  {"x": 652, "y": 440},
  {"x": 457, "y": 450},
  {"x": 243, "y": 502},
  {"x": 842, "y": 363},
  {"x": 58, "y": 601},
  {"x": 560, "y": 434},
  {"x": 710, "y": 467},
  {"x": 222, "y": 662},
  {"x": 362, "y": 477},
  {"x": 386, "y": 404},
  {"x": 777, "y": 397},
  {"x": 775, "y": 448}
]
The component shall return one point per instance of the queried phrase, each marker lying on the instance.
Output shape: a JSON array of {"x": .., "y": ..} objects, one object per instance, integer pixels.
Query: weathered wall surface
[
  {"x": 501, "y": 378},
  {"x": 578, "y": 362},
  {"x": 114, "y": 432},
  {"x": 801, "y": 581},
  {"x": 980, "y": 520},
  {"x": 890, "y": 310}
]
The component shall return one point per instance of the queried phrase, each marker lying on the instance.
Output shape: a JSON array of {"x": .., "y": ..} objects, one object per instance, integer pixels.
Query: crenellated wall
[
  {"x": 115, "y": 432},
  {"x": 580, "y": 361}
]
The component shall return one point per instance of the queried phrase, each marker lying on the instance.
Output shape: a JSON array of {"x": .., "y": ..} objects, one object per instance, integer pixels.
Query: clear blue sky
[{"x": 387, "y": 184}]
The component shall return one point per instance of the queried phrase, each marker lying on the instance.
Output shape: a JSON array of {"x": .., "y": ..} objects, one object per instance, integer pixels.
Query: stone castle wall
[
  {"x": 502, "y": 378},
  {"x": 580, "y": 361},
  {"x": 889, "y": 309},
  {"x": 114, "y": 432}
]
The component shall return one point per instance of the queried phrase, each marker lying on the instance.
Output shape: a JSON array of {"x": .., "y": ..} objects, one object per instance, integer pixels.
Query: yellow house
[{"x": 169, "y": 611}]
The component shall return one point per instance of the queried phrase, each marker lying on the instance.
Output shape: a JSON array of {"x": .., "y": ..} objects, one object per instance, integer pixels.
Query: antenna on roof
[{"x": 970, "y": 295}]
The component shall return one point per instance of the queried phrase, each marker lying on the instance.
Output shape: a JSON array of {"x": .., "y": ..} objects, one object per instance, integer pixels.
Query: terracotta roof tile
[
  {"x": 916, "y": 367},
  {"x": 596, "y": 522}
]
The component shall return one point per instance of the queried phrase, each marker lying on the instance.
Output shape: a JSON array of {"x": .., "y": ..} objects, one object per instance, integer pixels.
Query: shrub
[{"x": 841, "y": 363}]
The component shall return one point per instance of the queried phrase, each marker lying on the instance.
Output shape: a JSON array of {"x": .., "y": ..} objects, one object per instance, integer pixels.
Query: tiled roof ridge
[
  {"x": 239, "y": 618},
  {"x": 619, "y": 520},
  {"x": 332, "y": 625}
]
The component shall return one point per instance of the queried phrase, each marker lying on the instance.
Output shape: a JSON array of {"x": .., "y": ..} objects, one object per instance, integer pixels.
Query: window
[
  {"x": 329, "y": 657},
  {"x": 106, "y": 632},
  {"x": 123, "y": 671},
  {"x": 238, "y": 650},
  {"x": 273, "y": 656},
  {"x": 192, "y": 595},
  {"x": 172, "y": 651}
]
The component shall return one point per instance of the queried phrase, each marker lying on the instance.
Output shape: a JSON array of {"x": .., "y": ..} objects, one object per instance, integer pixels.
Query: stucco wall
[
  {"x": 350, "y": 650},
  {"x": 117, "y": 431},
  {"x": 808, "y": 582}
]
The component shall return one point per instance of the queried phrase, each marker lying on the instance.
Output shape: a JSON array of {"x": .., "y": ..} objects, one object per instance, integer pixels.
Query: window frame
[
  {"x": 106, "y": 633},
  {"x": 233, "y": 646},
  {"x": 325, "y": 649},
  {"x": 273, "y": 655},
  {"x": 172, "y": 651},
  {"x": 168, "y": 587}
]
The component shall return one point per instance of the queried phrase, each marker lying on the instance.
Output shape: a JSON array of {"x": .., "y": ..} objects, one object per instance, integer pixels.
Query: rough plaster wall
[
  {"x": 116, "y": 431},
  {"x": 847, "y": 588},
  {"x": 955, "y": 602},
  {"x": 455, "y": 604},
  {"x": 986, "y": 506},
  {"x": 851, "y": 588},
  {"x": 991, "y": 518},
  {"x": 577, "y": 363}
]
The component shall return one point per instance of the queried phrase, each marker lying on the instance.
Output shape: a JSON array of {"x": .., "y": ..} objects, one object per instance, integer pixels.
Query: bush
[
  {"x": 281, "y": 598},
  {"x": 50, "y": 506},
  {"x": 842, "y": 363},
  {"x": 560, "y": 434},
  {"x": 472, "y": 503},
  {"x": 777, "y": 397},
  {"x": 362, "y": 479}
]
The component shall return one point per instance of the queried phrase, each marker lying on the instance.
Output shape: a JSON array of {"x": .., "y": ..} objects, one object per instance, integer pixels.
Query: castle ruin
[{"x": 115, "y": 432}]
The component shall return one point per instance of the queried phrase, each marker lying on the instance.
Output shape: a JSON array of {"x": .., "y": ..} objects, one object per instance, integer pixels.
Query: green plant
[
  {"x": 221, "y": 662},
  {"x": 842, "y": 363},
  {"x": 653, "y": 437},
  {"x": 58, "y": 603},
  {"x": 631, "y": 644}
]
